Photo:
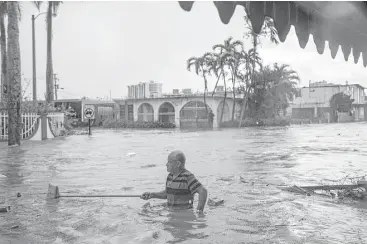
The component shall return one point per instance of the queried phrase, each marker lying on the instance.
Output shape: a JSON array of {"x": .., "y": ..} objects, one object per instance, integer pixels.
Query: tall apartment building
[
  {"x": 145, "y": 90},
  {"x": 155, "y": 89}
]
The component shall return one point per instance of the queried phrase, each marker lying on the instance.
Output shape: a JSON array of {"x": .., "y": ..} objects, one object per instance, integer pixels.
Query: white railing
[
  {"x": 29, "y": 122},
  {"x": 56, "y": 122}
]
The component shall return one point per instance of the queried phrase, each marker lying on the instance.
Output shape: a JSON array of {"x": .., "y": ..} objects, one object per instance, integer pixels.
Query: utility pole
[
  {"x": 34, "y": 62},
  {"x": 34, "y": 57},
  {"x": 56, "y": 85}
]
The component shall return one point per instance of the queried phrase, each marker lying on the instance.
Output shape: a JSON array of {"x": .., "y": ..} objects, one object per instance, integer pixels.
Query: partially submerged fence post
[{"x": 44, "y": 127}]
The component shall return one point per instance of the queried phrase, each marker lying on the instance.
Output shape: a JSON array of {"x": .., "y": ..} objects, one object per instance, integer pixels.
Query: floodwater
[{"x": 131, "y": 162}]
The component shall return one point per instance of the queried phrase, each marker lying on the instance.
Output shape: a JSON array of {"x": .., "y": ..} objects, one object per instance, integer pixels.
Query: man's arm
[
  {"x": 203, "y": 194},
  {"x": 196, "y": 187},
  {"x": 159, "y": 195}
]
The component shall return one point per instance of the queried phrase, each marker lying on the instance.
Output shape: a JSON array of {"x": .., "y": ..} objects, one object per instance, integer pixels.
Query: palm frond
[
  {"x": 221, "y": 47},
  {"x": 38, "y": 4},
  {"x": 193, "y": 62},
  {"x": 55, "y": 7}
]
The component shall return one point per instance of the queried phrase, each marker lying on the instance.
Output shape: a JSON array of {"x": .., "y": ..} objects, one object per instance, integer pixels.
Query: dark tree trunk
[
  {"x": 49, "y": 68},
  {"x": 4, "y": 83},
  {"x": 14, "y": 76},
  {"x": 225, "y": 97}
]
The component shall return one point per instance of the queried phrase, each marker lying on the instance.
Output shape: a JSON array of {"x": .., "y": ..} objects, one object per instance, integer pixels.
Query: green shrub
[
  {"x": 249, "y": 122},
  {"x": 136, "y": 125},
  {"x": 229, "y": 124}
]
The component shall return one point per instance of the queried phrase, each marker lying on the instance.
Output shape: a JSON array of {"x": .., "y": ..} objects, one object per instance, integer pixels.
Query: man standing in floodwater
[{"x": 181, "y": 185}]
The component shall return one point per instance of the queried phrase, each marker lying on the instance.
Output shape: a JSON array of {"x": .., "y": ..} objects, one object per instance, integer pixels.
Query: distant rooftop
[
  {"x": 326, "y": 84},
  {"x": 87, "y": 101}
]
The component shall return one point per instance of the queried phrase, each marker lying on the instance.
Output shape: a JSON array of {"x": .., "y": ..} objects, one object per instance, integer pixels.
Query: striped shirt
[{"x": 181, "y": 189}]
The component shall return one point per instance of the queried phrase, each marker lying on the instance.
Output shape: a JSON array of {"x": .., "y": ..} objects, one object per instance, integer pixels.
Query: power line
[{"x": 70, "y": 94}]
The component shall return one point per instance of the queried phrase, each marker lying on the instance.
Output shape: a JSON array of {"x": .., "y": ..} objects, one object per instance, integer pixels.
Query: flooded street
[{"x": 132, "y": 162}]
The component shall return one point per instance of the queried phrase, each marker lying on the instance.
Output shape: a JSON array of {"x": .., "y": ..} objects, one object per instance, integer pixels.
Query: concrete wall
[
  {"x": 345, "y": 117},
  {"x": 359, "y": 113},
  {"x": 320, "y": 96},
  {"x": 178, "y": 104}
]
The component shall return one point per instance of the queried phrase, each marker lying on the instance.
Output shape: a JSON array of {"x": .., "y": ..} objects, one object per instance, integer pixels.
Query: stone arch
[
  {"x": 193, "y": 114},
  {"x": 145, "y": 112},
  {"x": 166, "y": 113},
  {"x": 227, "y": 112}
]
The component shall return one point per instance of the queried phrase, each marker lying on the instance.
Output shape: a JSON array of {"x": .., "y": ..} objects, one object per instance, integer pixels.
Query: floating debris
[
  {"x": 148, "y": 166},
  {"x": 242, "y": 180},
  {"x": 2, "y": 176},
  {"x": 215, "y": 202},
  {"x": 147, "y": 237},
  {"x": 147, "y": 205},
  {"x": 127, "y": 188},
  {"x": 5, "y": 209},
  {"x": 297, "y": 189},
  {"x": 229, "y": 178},
  {"x": 357, "y": 191},
  {"x": 130, "y": 154}
]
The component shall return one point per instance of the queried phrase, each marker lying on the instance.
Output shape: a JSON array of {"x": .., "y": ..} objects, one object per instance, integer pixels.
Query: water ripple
[{"x": 244, "y": 167}]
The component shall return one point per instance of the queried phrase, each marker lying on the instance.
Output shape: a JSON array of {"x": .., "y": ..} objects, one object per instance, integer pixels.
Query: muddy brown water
[{"x": 131, "y": 162}]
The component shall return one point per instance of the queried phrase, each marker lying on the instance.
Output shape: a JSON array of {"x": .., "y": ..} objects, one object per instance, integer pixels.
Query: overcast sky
[{"x": 103, "y": 46}]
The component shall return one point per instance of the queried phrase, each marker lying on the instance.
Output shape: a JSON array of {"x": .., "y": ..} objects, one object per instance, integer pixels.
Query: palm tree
[
  {"x": 221, "y": 61},
  {"x": 4, "y": 85},
  {"x": 276, "y": 87},
  {"x": 213, "y": 68},
  {"x": 201, "y": 68},
  {"x": 268, "y": 30},
  {"x": 246, "y": 75},
  {"x": 52, "y": 9},
  {"x": 14, "y": 74},
  {"x": 284, "y": 85},
  {"x": 234, "y": 61}
]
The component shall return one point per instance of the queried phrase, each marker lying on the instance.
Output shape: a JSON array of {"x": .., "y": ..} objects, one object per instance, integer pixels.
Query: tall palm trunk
[
  {"x": 14, "y": 75},
  {"x": 205, "y": 89},
  {"x": 4, "y": 79},
  {"x": 253, "y": 68},
  {"x": 49, "y": 68},
  {"x": 252, "y": 78},
  {"x": 206, "y": 106},
  {"x": 234, "y": 94},
  {"x": 225, "y": 97},
  {"x": 216, "y": 83},
  {"x": 244, "y": 99}
]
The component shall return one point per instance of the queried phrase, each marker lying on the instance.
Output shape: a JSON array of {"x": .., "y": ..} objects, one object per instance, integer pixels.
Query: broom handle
[{"x": 100, "y": 195}]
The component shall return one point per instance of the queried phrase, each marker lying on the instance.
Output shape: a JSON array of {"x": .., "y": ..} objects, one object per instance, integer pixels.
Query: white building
[
  {"x": 314, "y": 102},
  {"x": 187, "y": 91}
]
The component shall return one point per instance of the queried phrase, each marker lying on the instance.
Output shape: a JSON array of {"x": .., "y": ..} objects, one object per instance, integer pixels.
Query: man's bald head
[{"x": 177, "y": 155}]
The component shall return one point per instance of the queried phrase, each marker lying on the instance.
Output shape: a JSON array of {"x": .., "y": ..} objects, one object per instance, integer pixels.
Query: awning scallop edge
[{"x": 339, "y": 23}]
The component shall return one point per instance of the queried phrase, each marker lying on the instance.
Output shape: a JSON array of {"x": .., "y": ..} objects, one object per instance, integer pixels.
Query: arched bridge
[{"x": 183, "y": 111}]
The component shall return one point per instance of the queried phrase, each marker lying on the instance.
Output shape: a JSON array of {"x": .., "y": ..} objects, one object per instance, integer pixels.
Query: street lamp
[{"x": 34, "y": 57}]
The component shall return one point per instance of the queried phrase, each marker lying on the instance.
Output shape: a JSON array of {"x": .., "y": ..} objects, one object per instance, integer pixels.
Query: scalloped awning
[{"x": 339, "y": 23}]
